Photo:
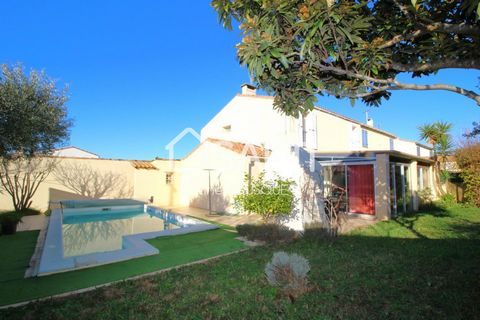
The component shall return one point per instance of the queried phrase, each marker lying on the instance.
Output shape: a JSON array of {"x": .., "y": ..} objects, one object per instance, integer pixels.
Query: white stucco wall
[
  {"x": 252, "y": 119},
  {"x": 228, "y": 170}
]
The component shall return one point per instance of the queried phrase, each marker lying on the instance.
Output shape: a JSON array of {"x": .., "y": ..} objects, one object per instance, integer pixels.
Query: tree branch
[
  {"x": 467, "y": 93},
  {"x": 462, "y": 28},
  {"x": 454, "y": 64},
  {"x": 392, "y": 84},
  {"x": 399, "y": 38}
]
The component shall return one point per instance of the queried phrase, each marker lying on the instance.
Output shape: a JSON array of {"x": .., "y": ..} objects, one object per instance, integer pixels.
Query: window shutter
[
  {"x": 311, "y": 131},
  {"x": 364, "y": 138}
]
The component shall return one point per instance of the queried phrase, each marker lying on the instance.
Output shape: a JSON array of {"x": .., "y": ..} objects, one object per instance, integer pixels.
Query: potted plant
[{"x": 9, "y": 222}]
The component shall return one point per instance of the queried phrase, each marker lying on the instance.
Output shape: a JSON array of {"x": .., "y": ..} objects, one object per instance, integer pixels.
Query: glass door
[
  {"x": 400, "y": 192},
  {"x": 361, "y": 189}
]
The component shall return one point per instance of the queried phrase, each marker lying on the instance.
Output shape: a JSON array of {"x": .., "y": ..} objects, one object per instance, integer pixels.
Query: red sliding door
[{"x": 361, "y": 189}]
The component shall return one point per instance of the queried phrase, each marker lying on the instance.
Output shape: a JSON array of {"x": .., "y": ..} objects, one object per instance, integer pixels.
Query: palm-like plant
[
  {"x": 445, "y": 146},
  {"x": 437, "y": 134}
]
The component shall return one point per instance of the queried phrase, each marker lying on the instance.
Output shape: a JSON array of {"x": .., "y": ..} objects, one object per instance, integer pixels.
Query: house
[
  {"x": 324, "y": 152},
  {"x": 74, "y": 152}
]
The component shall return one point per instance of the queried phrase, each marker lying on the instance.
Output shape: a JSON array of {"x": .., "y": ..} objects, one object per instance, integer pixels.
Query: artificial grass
[
  {"x": 17, "y": 249},
  {"x": 419, "y": 267}
]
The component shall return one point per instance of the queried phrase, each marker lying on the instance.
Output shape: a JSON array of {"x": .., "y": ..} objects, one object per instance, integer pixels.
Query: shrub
[
  {"x": 30, "y": 212},
  {"x": 445, "y": 176},
  {"x": 268, "y": 198},
  {"x": 447, "y": 200},
  {"x": 426, "y": 199},
  {"x": 270, "y": 233},
  {"x": 468, "y": 160},
  {"x": 9, "y": 222},
  {"x": 289, "y": 273},
  {"x": 317, "y": 232}
]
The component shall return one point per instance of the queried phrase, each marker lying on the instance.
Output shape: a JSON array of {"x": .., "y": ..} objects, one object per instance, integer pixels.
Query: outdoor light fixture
[{"x": 209, "y": 191}]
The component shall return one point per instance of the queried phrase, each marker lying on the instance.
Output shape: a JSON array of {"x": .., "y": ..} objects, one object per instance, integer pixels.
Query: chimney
[
  {"x": 370, "y": 122},
  {"x": 248, "y": 89}
]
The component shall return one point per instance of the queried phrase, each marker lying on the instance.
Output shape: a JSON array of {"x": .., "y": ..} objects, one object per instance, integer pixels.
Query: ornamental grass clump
[{"x": 288, "y": 272}]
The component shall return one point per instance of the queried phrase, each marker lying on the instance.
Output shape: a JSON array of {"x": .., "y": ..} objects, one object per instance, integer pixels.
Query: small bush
[
  {"x": 447, "y": 200},
  {"x": 426, "y": 199},
  {"x": 9, "y": 222},
  {"x": 317, "y": 232},
  {"x": 289, "y": 273},
  {"x": 268, "y": 198},
  {"x": 270, "y": 233},
  {"x": 30, "y": 212},
  {"x": 468, "y": 160},
  {"x": 445, "y": 176}
]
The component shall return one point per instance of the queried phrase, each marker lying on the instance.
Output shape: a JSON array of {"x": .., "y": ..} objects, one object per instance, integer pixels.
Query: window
[
  {"x": 334, "y": 185},
  {"x": 418, "y": 151},
  {"x": 355, "y": 137},
  {"x": 350, "y": 187},
  {"x": 364, "y": 138},
  {"x": 392, "y": 144},
  {"x": 422, "y": 178},
  {"x": 169, "y": 178}
]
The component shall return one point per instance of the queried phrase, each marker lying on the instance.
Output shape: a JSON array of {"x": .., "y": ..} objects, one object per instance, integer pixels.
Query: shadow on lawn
[
  {"x": 410, "y": 219},
  {"x": 468, "y": 230},
  {"x": 357, "y": 277},
  {"x": 409, "y": 224}
]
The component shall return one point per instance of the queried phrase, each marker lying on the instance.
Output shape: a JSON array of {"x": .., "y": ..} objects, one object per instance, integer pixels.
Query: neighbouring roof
[
  {"x": 139, "y": 164},
  {"x": 73, "y": 147},
  {"x": 249, "y": 150}
]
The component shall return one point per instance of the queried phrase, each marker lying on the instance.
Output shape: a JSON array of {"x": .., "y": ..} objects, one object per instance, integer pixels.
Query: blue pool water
[
  {"x": 102, "y": 231},
  {"x": 82, "y": 236}
]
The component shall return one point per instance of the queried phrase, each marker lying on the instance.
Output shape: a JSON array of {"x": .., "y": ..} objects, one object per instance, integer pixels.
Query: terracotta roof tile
[
  {"x": 139, "y": 164},
  {"x": 250, "y": 150}
]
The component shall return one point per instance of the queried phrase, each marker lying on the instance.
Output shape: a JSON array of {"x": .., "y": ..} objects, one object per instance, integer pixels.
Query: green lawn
[
  {"x": 16, "y": 252},
  {"x": 424, "y": 266}
]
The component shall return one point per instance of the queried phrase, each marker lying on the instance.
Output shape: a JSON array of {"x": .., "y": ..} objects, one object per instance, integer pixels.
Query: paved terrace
[
  {"x": 230, "y": 220},
  {"x": 353, "y": 222}
]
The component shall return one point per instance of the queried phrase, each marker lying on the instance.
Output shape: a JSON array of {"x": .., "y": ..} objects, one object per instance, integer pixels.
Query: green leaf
[
  {"x": 275, "y": 53},
  {"x": 284, "y": 61},
  {"x": 478, "y": 11},
  {"x": 414, "y": 3}
]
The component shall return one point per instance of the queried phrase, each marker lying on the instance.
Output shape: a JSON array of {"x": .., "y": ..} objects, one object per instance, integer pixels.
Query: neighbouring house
[
  {"x": 74, "y": 152},
  {"x": 323, "y": 152}
]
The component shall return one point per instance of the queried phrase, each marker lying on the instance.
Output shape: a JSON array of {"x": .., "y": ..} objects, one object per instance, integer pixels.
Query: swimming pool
[{"x": 79, "y": 236}]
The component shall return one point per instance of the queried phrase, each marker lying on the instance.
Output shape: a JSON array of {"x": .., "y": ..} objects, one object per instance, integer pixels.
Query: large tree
[
  {"x": 298, "y": 49},
  {"x": 33, "y": 119}
]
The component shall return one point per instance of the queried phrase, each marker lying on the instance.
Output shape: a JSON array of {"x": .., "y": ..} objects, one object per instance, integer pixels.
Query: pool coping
[{"x": 134, "y": 246}]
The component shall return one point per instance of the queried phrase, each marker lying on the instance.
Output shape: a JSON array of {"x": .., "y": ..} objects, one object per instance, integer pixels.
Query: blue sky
[{"x": 139, "y": 72}]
